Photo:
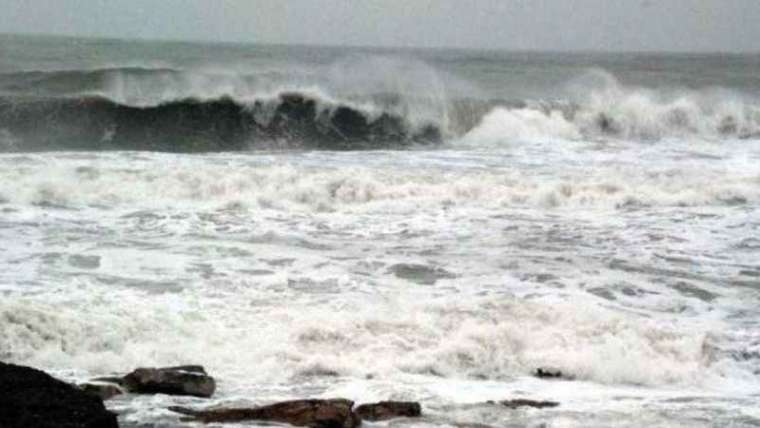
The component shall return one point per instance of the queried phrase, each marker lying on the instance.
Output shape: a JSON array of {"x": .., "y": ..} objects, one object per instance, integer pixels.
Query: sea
[{"x": 430, "y": 225}]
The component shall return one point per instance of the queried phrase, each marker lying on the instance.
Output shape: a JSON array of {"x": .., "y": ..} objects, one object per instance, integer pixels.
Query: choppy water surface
[{"x": 444, "y": 271}]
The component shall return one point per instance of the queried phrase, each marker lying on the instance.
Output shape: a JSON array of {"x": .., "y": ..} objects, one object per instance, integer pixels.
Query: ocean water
[{"x": 426, "y": 225}]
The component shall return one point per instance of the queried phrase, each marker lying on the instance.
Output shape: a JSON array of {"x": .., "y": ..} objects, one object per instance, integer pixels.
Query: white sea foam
[
  {"x": 356, "y": 274},
  {"x": 301, "y": 186},
  {"x": 500, "y": 339},
  {"x": 507, "y": 125}
]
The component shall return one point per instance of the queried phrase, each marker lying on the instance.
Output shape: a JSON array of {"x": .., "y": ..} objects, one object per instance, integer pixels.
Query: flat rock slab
[
  {"x": 180, "y": 380},
  {"x": 385, "y": 410},
  {"x": 334, "y": 413},
  {"x": 30, "y": 398}
]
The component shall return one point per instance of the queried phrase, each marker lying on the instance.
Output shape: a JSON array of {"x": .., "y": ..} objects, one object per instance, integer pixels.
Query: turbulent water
[{"x": 429, "y": 225}]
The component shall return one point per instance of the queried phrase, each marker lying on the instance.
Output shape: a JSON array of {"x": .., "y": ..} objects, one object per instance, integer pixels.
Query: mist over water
[{"x": 430, "y": 225}]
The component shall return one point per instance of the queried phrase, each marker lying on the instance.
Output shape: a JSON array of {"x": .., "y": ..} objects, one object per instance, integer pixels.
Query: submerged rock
[
  {"x": 385, "y": 410},
  {"x": 334, "y": 413},
  {"x": 550, "y": 373},
  {"x": 421, "y": 274},
  {"x": 30, "y": 398},
  {"x": 181, "y": 380},
  {"x": 102, "y": 390},
  {"x": 521, "y": 402}
]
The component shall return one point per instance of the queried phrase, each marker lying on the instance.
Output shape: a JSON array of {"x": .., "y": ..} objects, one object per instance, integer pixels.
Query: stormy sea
[{"x": 426, "y": 225}]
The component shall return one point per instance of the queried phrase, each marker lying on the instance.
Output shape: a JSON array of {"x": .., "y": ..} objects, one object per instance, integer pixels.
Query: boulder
[
  {"x": 181, "y": 380},
  {"x": 335, "y": 413},
  {"x": 102, "y": 390},
  {"x": 521, "y": 402},
  {"x": 385, "y": 410},
  {"x": 32, "y": 398}
]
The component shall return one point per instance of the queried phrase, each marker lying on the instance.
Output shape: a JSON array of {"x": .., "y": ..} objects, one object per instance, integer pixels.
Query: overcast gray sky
[{"x": 651, "y": 25}]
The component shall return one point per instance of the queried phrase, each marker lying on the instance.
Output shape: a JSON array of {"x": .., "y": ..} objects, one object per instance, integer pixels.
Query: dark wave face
[{"x": 292, "y": 120}]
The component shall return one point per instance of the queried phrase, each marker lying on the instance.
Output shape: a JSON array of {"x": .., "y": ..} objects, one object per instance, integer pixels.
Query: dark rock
[
  {"x": 550, "y": 373},
  {"x": 335, "y": 413},
  {"x": 521, "y": 402},
  {"x": 30, "y": 398},
  {"x": 385, "y": 410},
  {"x": 181, "y": 380},
  {"x": 102, "y": 390}
]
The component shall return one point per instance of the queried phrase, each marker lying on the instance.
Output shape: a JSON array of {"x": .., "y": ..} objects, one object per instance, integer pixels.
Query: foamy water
[{"x": 449, "y": 282}]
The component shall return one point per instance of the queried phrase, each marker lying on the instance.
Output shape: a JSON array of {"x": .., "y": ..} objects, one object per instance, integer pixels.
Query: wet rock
[
  {"x": 30, "y": 398},
  {"x": 385, "y": 410},
  {"x": 102, "y": 390},
  {"x": 521, "y": 402},
  {"x": 550, "y": 373},
  {"x": 335, "y": 413},
  {"x": 181, "y": 380}
]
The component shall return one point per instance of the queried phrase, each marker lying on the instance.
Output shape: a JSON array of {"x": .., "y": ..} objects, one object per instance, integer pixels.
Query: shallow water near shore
[{"x": 443, "y": 273}]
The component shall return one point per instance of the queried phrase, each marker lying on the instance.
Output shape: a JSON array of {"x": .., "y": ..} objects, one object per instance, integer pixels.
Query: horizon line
[{"x": 139, "y": 39}]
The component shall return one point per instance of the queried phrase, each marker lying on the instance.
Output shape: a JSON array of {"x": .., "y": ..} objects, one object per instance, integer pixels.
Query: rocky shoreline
[{"x": 33, "y": 398}]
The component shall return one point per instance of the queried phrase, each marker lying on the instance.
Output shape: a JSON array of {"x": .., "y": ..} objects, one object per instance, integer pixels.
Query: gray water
[{"x": 596, "y": 213}]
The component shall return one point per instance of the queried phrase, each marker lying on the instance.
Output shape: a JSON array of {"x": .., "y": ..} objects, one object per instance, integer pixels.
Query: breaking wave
[
  {"x": 290, "y": 120},
  {"x": 161, "y": 109},
  {"x": 603, "y": 108}
]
